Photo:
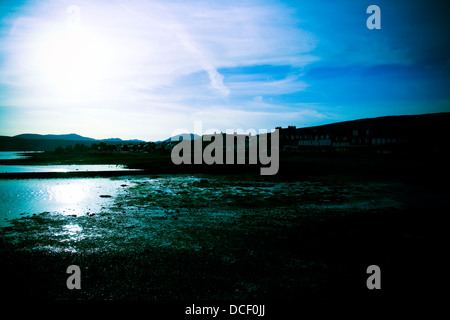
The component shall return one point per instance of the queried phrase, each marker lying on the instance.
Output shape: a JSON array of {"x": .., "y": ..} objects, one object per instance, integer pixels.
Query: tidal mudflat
[{"x": 214, "y": 237}]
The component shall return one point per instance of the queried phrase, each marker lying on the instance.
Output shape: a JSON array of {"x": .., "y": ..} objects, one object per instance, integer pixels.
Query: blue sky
[{"x": 144, "y": 69}]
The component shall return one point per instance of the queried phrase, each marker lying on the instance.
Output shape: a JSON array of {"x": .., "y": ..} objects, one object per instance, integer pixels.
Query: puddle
[{"x": 66, "y": 196}]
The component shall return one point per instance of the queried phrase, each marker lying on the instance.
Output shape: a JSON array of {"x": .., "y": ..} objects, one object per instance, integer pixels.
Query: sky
[{"x": 141, "y": 69}]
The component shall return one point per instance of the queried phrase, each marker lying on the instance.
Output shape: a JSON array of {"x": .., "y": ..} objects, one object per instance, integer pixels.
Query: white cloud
[{"x": 156, "y": 58}]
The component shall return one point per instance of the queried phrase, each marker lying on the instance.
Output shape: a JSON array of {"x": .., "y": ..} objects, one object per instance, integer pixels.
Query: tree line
[{"x": 106, "y": 147}]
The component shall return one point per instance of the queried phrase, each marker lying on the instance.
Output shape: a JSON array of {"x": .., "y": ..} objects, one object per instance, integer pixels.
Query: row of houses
[{"x": 378, "y": 135}]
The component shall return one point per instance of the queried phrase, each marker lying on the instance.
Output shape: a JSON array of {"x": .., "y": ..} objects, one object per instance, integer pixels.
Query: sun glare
[
  {"x": 72, "y": 62},
  {"x": 69, "y": 193}
]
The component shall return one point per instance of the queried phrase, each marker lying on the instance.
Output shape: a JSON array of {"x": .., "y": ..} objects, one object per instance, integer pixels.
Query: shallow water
[
  {"x": 60, "y": 168},
  {"x": 65, "y": 196},
  {"x": 10, "y": 155}
]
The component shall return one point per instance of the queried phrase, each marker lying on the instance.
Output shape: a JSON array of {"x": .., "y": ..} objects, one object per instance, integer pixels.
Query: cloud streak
[
  {"x": 154, "y": 45},
  {"x": 158, "y": 61}
]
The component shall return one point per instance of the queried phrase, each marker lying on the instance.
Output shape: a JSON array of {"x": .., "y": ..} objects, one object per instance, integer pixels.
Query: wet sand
[{"x": 214, "y": 237}]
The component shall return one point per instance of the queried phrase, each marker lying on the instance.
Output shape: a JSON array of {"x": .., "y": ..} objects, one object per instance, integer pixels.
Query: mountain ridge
[
  {"x": 68, "y": 137},
  {"x": 36, "y": 142}
]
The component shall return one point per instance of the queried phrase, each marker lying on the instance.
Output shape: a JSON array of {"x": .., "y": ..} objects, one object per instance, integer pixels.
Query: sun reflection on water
[
  {"x": 69, "y": 193},
  {"x": 72, "y": 232}
]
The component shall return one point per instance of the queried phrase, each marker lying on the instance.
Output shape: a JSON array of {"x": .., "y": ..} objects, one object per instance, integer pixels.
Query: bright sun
[{"x": 72, "y": 62}]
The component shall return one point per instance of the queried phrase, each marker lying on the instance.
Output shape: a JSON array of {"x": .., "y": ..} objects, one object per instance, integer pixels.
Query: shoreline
[{"x": 74, "y": 174}]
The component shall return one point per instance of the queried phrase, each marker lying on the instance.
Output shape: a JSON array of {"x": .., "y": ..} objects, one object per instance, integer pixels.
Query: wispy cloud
[
  {"x": 151, "y": 45},
  {"x": 168, "y": 57}
]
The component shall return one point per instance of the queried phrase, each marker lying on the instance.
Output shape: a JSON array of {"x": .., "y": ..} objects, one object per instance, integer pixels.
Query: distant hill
[
  {"x": 49, "y": 142},
  {"x": 189, "y": 136},
  {"x": 426, "y": 133},
  {"x": 71, "y": 136},
  {"x": 419, "y": 124},
  {"x": 426, "y": 127}
]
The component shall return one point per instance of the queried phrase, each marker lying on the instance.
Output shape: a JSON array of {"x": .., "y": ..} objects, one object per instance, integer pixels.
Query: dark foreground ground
[{"x": 300, "y": 237}]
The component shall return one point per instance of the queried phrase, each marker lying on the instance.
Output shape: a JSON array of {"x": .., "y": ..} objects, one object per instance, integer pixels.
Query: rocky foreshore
[{"x": 209, "y": 237}]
